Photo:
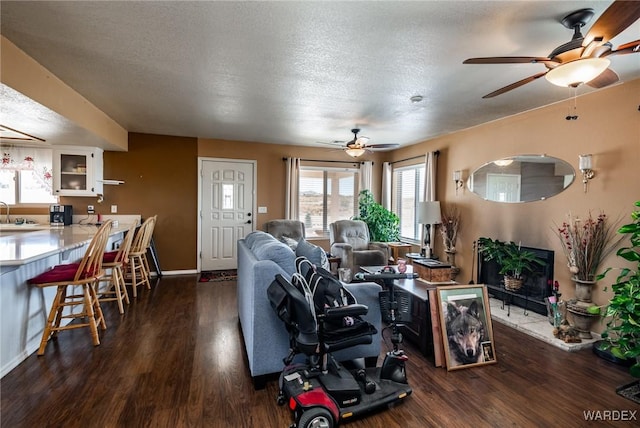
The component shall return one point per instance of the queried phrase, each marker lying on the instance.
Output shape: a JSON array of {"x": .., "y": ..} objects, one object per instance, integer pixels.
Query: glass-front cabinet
[{"x": 77, "y": 171}]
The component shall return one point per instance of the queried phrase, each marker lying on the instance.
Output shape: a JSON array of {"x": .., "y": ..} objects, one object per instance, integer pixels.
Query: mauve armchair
[{"x": 351, "y": 243}]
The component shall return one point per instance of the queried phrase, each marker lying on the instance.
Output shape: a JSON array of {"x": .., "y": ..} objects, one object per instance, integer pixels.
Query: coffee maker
[{"x": 61, "y": 215}]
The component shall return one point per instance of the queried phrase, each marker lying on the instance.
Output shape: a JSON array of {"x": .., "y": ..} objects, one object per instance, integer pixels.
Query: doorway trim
[{"x": 201, "y": 161}]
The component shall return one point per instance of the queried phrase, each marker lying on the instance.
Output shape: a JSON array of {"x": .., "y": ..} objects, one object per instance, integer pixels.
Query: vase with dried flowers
[
  {"x": 449, "y": 231},
  {"x": 449, "y": 227},
  {"x": 586, "y": 243}
]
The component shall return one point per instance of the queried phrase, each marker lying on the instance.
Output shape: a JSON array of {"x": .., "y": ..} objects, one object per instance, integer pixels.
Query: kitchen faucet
[{"x": 6, "y": 205}]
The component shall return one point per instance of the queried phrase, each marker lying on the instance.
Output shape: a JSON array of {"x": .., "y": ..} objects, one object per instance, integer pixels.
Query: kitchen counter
[
  {"x": 30, "y": 243},
  {"x": 25, "y": 253}
]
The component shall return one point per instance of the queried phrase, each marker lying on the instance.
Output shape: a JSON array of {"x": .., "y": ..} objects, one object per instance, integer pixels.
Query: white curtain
[
  {"x": 366, "y": 173},
  {"x": 387, "y": 178},
  {"x": 37, "y": 160},
  {"x": 430, "y": 187},
  {"x": 292, "y": 187},
  {"x": 429, "y": 177}
]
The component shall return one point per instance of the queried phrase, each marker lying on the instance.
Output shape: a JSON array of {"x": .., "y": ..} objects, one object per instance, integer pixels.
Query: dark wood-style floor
[{"x": 176, "y": 359}]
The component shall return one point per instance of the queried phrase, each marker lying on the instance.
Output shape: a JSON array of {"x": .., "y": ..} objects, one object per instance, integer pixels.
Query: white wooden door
[
  {"x": 503, "y": 187},
  {"x": 227, "y": 211}
]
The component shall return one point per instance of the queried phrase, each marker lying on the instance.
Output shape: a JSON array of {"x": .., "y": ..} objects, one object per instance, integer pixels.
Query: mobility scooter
[{"x": 322, "y": 317}]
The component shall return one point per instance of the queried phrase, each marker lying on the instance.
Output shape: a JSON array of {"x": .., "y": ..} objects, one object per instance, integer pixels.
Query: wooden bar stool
[
  {"x": 84, "y": 274},
  {"x": 138, "y": 264},
  {"x": 147, "y": 244},
  {"x": 114, "y": 264}
]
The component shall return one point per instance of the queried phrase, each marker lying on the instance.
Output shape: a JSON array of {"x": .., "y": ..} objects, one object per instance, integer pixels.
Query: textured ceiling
[{"x": 301, "y": 72}]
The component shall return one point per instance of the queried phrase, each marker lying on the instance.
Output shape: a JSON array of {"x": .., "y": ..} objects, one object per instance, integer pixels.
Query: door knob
[
  {"x": 248, "y": 214},
  {"x": 248, "y": 222}
]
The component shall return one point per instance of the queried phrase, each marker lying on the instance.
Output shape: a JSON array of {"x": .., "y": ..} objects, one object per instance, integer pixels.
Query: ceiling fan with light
[
  {"x": 358, "y": 146},
  {"x": 583, "y": 60}
]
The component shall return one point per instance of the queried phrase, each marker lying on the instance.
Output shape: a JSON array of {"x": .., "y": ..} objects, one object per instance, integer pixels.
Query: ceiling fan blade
[
  {"x": 614, "y": 20},
  {"x": 332, "y": 143},
  {"x": 381, "y": 146},
  {"x": 605, "y": 78},
  {"x": 627, "y": 48},
  {"x": 506, "y": 60},
  {"x": 515, "y": 85}
]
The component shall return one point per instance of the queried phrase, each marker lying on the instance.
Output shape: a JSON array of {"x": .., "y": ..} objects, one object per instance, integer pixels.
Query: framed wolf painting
[{"x": 465, "y": 321}]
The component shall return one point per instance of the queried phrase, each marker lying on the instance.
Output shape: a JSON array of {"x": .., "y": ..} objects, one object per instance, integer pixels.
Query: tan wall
[
  {"x": 608, "y": 127},
  {"x": 160, "y": 175},
  {"x": 271, "y": 172}
]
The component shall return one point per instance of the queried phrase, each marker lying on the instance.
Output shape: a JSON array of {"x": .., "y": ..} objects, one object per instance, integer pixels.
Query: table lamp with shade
[{"x": 428, "y": 214}]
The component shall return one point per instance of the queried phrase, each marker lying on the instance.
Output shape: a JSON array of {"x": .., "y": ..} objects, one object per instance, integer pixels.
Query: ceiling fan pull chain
[{"x": 575, "y": 106}]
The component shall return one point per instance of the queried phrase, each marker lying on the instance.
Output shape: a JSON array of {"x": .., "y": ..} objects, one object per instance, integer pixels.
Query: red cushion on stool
[
  {"x": 109, "y": 257},
  {"x": 69, "y": 266},
  {"x": 60, "y": 273}
]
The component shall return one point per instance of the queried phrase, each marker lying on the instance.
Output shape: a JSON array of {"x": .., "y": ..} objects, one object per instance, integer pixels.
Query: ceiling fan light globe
[
  {"x": 577, "y": 72},
  {"x": 503, "y": 162},
  {"x": 355, "y": 152}
]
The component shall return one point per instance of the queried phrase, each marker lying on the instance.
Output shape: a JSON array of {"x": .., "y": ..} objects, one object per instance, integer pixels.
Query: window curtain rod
[
  {"x": 436, "y": 153},
  {"x": 328, "y": 161}
]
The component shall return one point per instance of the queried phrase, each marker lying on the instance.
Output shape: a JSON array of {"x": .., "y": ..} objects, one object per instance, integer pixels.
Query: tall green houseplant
[
  {"x": 384, "y": 225},
  {"x": 622, "y": 334}
]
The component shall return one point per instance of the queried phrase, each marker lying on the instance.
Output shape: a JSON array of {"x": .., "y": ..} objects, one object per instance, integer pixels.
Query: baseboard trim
[{"x": 176, "y": 272}]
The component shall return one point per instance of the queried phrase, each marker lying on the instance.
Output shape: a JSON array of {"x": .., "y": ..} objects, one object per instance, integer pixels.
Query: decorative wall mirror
[{"x": 522, "y": 178}]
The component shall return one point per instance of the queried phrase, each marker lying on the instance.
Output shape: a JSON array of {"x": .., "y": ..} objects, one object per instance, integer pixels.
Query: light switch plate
[
  {"x": 114, "y": 209},
  {"x": 262, "y": 210}
]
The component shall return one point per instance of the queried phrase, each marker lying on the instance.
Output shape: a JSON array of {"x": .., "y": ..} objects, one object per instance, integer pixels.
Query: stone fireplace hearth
[
  {"x": 525, "y": 309},
  {"x": 534, "y": 325}
]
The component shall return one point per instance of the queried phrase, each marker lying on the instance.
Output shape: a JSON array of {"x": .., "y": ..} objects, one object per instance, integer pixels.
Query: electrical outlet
[
  {"x": 90, "y": 209},
  {"x": 114, "y": 209}
]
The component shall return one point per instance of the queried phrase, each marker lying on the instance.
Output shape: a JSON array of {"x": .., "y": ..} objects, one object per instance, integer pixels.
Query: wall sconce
[
  {"x": 585, "y": 168},
  {"x": 457, "y": 177}
]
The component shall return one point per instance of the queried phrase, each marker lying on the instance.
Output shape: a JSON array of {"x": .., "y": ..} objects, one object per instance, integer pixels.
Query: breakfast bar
[{"x": 26, "y": 251}]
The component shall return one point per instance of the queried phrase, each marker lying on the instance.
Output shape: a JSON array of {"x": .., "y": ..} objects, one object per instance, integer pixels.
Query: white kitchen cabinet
[{"x": 77, "y": 171}]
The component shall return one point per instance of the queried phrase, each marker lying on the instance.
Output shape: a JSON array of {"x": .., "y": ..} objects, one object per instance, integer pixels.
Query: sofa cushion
[
  {"x": 254, "y": 238},
  {"x": 276, "y": 251},
  {"x": 292, "y": 243},
  {"x": 313, "y": 253}
]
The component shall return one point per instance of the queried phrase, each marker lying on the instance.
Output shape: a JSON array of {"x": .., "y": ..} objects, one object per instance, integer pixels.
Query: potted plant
[
  {"x": 622, "y": 334},
  {"x": 384, "y": 225},
  {"x": 511, "y": 258}
]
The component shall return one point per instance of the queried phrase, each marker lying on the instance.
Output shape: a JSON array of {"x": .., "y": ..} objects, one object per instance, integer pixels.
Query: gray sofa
[{"x": 260, "y": 258}]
